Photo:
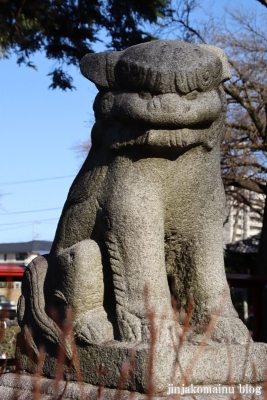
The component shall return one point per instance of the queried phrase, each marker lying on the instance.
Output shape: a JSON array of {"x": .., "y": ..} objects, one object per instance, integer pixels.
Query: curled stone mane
[
  {"x": 158, "y": 66},
  {"x": 173, "y": 70}
]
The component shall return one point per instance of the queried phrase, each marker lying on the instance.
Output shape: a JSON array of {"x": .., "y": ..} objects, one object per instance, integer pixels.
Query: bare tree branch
[{"x": 245, "y": 184}]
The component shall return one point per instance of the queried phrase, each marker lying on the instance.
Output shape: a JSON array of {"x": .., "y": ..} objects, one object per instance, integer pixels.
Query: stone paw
[
  {"x": 93, "y": 327},
  {"x": 226, "y": 330},
  {"x": 133, "y": 328},
  {"x": 130, "y": 325},
  {"x": 230, "y": 330}
]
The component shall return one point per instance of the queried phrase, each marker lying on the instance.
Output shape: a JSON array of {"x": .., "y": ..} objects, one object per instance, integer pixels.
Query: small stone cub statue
[{"x": 143, "y": 218}]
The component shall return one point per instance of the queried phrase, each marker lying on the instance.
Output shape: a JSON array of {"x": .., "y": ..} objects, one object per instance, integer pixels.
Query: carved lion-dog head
[{"x": 165, "y": 93}]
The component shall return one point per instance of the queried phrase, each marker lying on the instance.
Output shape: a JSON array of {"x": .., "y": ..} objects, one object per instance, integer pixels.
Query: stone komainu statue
[{"x": 145, "y": 213}]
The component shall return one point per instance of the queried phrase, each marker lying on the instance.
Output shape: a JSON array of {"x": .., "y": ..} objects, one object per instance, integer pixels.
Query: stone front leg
[
  {"x": 198, "y": 272},
  {"x": 135, "y": 242},
  {"x": 194, "y": 246},
  {"x": 196, "y": 269},
  {"x": 211, "y": 291}
]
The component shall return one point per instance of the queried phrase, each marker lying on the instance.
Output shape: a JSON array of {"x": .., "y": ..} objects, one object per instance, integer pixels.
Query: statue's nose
[{"x": 168, "y": 109}]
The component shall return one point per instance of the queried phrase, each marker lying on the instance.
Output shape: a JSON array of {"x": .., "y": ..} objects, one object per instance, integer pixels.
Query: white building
[
  {"x": 22, "y": 253},
  {"x": 241, "y": 221}
]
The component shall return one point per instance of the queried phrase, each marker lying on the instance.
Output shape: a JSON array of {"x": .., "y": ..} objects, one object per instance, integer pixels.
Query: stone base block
[
  {"x": 25, "y": 387},
  {"x": 198, "y": 365}
]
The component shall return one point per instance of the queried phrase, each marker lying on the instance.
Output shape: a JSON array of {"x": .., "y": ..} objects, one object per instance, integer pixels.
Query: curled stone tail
[{"x": 34, "y": 283}]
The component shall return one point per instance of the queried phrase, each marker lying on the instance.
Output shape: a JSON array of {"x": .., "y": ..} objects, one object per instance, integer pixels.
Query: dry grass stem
[{"x": 38, "y": 375}]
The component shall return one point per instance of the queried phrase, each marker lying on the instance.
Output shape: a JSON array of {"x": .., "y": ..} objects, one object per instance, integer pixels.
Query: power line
[
  {"x": 29, "y": 222},
  {"x": 36, "y": 180},
  {"x": 15, "y": 227},
  {"x": 31, "y": 211},
  {"x": 24, "y": 224}
]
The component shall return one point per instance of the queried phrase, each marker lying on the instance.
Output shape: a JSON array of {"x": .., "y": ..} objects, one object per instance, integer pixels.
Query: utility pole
[{"x": 34, "y": 235}]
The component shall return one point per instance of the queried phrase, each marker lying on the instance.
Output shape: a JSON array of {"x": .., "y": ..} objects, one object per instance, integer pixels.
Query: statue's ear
[
  {"x": 226, "y": 72},
  {"x": 99, "y": 68}
]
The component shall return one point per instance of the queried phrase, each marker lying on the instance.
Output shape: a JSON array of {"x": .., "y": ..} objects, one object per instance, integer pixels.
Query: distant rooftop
[
  {"x": 35, "y": 246},
  {"x": 249, "y": 245}
]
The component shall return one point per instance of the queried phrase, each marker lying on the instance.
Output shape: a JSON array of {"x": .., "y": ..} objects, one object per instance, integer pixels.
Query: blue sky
[{"x": 39, "y": 128}]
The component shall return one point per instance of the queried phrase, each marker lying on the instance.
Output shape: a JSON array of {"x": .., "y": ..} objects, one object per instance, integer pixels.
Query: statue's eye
[
  {"x": 206, "y": 76},
  {"x": 217, "y": 69},
  {"x": 192, "y": 95}
]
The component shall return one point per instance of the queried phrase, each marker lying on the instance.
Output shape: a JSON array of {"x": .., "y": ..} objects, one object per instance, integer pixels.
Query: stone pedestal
[
  {"x": 193, "y": 364},
  {"x": 25, "y": 387}
]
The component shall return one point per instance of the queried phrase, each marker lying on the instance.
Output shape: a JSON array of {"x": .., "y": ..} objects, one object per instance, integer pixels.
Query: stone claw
[
  {"x": 231, "y": 330},
  {"x": 226, "y": 330},
  {"x": 93, "y": 327},
  {"x": 130, "y": 325}
]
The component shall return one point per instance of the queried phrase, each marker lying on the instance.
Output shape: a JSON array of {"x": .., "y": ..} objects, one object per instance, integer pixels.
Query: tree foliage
[{"x": 66, "y": 30}]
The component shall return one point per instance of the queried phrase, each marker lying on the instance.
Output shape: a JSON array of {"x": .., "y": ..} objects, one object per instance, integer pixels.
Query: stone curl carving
[{"x": 145, "y": 212}]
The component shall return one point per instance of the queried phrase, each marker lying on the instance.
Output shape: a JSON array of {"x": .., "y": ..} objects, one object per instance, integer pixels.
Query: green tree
[{"x": 66, "y": 30}]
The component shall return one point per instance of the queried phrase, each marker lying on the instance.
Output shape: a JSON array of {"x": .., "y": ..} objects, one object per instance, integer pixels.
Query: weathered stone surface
[
  {"x": 23, "y": 387},
  {"x": 212, "y": 364},
  {"x": 143, "y": 221}
]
